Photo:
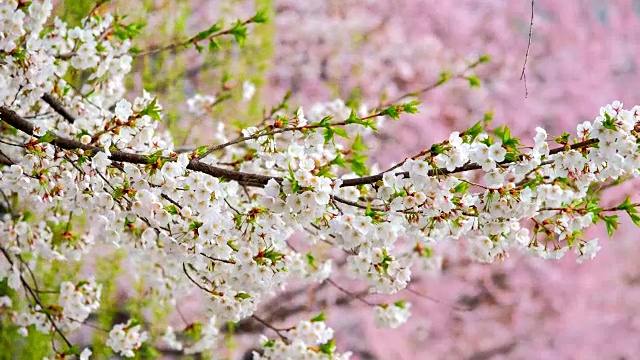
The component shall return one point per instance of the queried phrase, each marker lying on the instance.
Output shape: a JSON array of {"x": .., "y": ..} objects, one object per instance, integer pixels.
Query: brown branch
[
  {"x": 432, "y": 86},
  {"x": 12, "y": 118},
  {"x": 357, "y": 296},
  {"x": 58, "y": 107},
  {"x": 523, "y": 76},
  {"x": 192, "y": 40},
  {"x": 468, "y": 167}
]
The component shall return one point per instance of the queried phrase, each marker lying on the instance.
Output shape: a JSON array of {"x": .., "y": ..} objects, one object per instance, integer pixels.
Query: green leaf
[
  {"x": 242, "y": 296},
  {"x": 611, "y": 221},
  {"x": 609, "y": 122},
  {"x": 172, "y": 209},
  {"x": 152, "y": 109},
  {"x": 214, "y": 45},
  {"x": 461, "y": 188},
  {"x": 210, "y": 31},
  {"x": 73, "y": 350},
  {"x": 626, "y": 204},
  {"x": 239, "y": 32},
  {"x": 392, "y": 112},
  {"x": 488, "y": 118},
  {"x": 353, "y": 118},
  {"x": 635, "y": 217},
  {"x": 325, "y": 172},
  {"x": 339, "y": 160},
  {"x": 232, "y": 245},
  {"x": 47, "y": 138},
  {"x": 260, "y": 17},
  {"x": 201, "y": 150},
  {"x": 400, "y": 303},
  {"x": 444, "y": 77},
  {"x": 358, "y": 145},
  {"x": 358, "y": 165},
  {"x": 319, "y": 317},
  {"x": 341, "y": 132},
  {"x": 563, "y": 139},
  {"x": 631, "y": 210},
  {"x": 328, "y": 135},
  {"x": 473, "y": 132},
  {"x": 474, "y": 82},
  {"x": 328, "y": 347},
  {"x": 311, "y": 260},
  {"x": 411, "y": 107},
  {"x": 484, "y": 59},
  {"x": 129, "y": 31},
  {"x": 325, "y": 121},
  {"x": 195, "y": 225}
]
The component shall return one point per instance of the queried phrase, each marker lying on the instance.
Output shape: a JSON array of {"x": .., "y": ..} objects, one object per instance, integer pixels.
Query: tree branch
[
  {"x": 12, "y": 118},
  {"x": 58, "y": 107}
]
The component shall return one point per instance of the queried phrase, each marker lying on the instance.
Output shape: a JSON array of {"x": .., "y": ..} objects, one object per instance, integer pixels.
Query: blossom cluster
[
  {"x": 393, "y": 315},
  {"x": 124, "y": 338},
  {"x": 307, "y": 340}
]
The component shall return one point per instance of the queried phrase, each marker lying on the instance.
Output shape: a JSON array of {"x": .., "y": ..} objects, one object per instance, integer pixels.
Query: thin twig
[{"x": 523, "y": 76}]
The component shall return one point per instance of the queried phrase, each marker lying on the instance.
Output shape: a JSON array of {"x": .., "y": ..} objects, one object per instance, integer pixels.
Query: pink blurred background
[{"x": 584, "y": 54}]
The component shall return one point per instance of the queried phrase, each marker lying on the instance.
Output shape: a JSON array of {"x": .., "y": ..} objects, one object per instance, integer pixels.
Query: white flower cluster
[
  {"x": 35, "y": 316},
  {"x": 171, "y": 340},
  {"x": 124, "y": 338},
  {"x": 392, "y": 316},
  {"x": 78, "y": 301},
  {"x": 308, "y": 340}
]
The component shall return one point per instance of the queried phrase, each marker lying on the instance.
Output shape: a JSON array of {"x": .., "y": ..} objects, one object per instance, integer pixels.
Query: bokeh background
[{"x": 584, "y": 54}]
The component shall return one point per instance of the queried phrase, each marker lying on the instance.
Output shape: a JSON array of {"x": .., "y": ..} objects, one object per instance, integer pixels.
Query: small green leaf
[
  {"x": 358, "y": 145},
  {"x": 358, "y": 165},
  {"x": 260, "y": 17},
  {"x": 239, "y": 32},
  {"x": 319, "y": 317},
  {"x": 195, "y": 225},
  {"x": 214, "y": 45},
  {"x": 400, "y": 303},
  {"x": 201, "y": 150},
  {"x": 484, "y": 58},
  {"x": 444, "y": 77},
  {"x": 473, "y": 132},
  {"x": 242, "y": 296},
  {"x": 206, "y": 33},
  {"x": 339, "y": 160},
  {"x": 411, "y": 107},
  {"x": 328, "y": 347},
  {"x": 611, "y": 221},
  {"x": 563, "y": 139},
  {"x": 328, "y": 135},
  {"x": 172, "y": 209},
  {"x": 353, "y": 118},
  {"x": 47, "y": 138},
  {"x": 474, "y": 82},
  {"x": 152, "y": 110},
  {"x": 341, "y": 132},
  {"x": 461, "y": 188},
  {"x": 392, "y": 112}
]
